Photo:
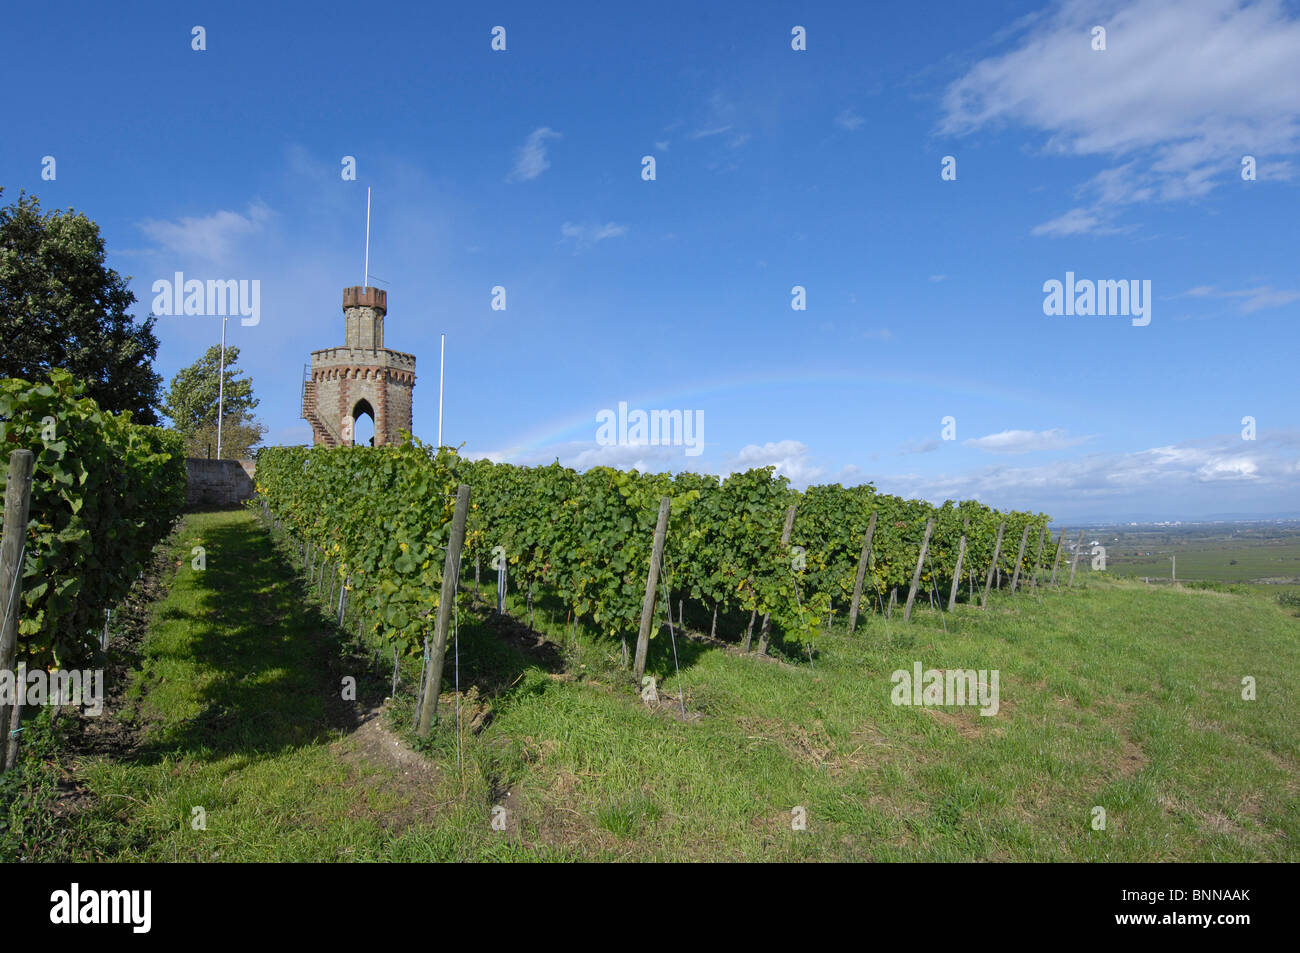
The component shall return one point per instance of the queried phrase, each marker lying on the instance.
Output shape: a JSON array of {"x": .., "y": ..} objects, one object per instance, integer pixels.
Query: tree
[
  {"x": 60, "y": 306},
  {"x": 191, "y": 404}
]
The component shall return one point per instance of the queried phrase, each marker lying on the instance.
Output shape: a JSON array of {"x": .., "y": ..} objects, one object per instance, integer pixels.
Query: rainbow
[{"x": 582, "y": 426}]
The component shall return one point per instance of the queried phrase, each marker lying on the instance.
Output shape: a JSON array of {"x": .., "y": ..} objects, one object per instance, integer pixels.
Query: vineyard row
[{"x": 747, "y": 543}]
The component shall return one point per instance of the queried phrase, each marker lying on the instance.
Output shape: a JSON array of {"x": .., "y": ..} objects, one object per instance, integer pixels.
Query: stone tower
[{"x": 361, "y": 377}]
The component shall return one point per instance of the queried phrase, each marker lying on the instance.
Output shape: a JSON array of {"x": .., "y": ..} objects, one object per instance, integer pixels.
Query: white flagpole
[
  {"x": 365, "y": 281},
  {"x": 221, "y": 386},
  {"x": 442, "y": 364}
]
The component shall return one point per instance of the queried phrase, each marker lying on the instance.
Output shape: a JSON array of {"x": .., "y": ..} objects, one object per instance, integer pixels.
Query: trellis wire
[
  {"x": 934, "y": 581},
  {"x": 681, "y": 692},
  {"x": 419, "y": 695},
  {"x": 879, "y": 590},
  {"x": 455, "y": 637},
  {"x": 18, "y": 575}
]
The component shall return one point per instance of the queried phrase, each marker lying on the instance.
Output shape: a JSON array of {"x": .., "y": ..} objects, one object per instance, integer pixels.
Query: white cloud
[
  {"x": 1228, "y": 468},
  {"x": 585, "y": 235},
  {"x": 1076, "y": 221},
  {"x": 721, "y": 116},
  {"x": 663, "y": 146},
  {"x": 643, "y": 457},
  {"x": 1181, "y": 93},
  {"x": 849, "y": 120},
  {"x": 531, "y": 158},
  {"x": 1260, "y": 298},
  {"x": 1023, "y": 441},
  {"x": 209, "y": 240},
  {"x": 1252, "y": 299},
  {"x": 790, "y": 457},
  {"x": 1223, "y": 474},
  {"x": 495, "y": 456}
]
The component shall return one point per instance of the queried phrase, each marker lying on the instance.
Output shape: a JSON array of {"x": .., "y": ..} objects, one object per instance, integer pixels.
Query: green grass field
[
  {"x": 1113, "y": 695},
  {"x": 1266, "y": 559},
  {"x": 1223, "y": 562}
]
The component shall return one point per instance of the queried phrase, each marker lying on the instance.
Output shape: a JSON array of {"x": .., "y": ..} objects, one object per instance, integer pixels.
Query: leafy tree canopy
[
  {"x": 60, "y": 306},
  {"x": 191, "y": 404}
]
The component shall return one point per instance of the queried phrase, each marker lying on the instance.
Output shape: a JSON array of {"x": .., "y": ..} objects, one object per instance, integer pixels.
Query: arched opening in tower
[{"x": 363, "y": 427}]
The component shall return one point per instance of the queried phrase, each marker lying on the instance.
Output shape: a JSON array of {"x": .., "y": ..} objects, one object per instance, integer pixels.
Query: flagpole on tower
[
  {"x": 221, "y": 386},
  {"x": 365, "y": 280}
]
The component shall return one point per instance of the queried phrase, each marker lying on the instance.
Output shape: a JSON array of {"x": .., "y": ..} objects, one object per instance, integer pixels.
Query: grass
[
  {"x": 1114, "y": 694},
  {"x": 1265, "y": 561}
]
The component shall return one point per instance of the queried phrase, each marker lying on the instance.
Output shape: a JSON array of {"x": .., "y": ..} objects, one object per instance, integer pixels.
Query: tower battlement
[{"x": 358, "y": 297}]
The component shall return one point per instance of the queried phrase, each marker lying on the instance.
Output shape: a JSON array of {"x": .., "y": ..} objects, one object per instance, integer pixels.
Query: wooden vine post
[
  {"x": 997, "y": 551},
  {"x": 18, "y": 498},
  {"x": 651, "y": 580},
  {"x": 1056, "y": 560},
  {"x": 862, "y": 572},
  {"x": 785, "y": 541},
  {"x": 1015, "y": 577},
  {"x": 446, "y": 597},
  {"x": 956, "y": 576},
  {"x": 916, "y": 575},
  {"x": 1038, "y": 556},
  {"x": 1074, "y": 563},
  {"x": 749, "y": 630}
]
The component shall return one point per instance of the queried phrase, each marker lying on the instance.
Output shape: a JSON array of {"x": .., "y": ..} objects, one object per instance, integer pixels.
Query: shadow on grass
[
  {"x": 262, "y": 659},
  {"x": 660, "y": 651}
]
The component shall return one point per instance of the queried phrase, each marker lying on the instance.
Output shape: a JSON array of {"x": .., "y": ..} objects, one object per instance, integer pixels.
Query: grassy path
[
  {"x": 1115, "y": 695},
  {"x": 237, "y": 703}
]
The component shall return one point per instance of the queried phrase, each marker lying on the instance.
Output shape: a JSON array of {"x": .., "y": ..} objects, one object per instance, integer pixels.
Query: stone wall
[
  {"x": 398, "y": 411},
  {"x": 219, "y": 483}
]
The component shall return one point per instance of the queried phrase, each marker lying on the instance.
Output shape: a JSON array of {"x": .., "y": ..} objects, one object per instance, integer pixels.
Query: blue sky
[{"x": 775, "y": 168}]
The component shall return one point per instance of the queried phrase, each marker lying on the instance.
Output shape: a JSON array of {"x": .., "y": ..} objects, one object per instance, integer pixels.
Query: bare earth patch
[
  {"x": 1132, "y": 759},
  {"x": 382, "y": 766}
]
